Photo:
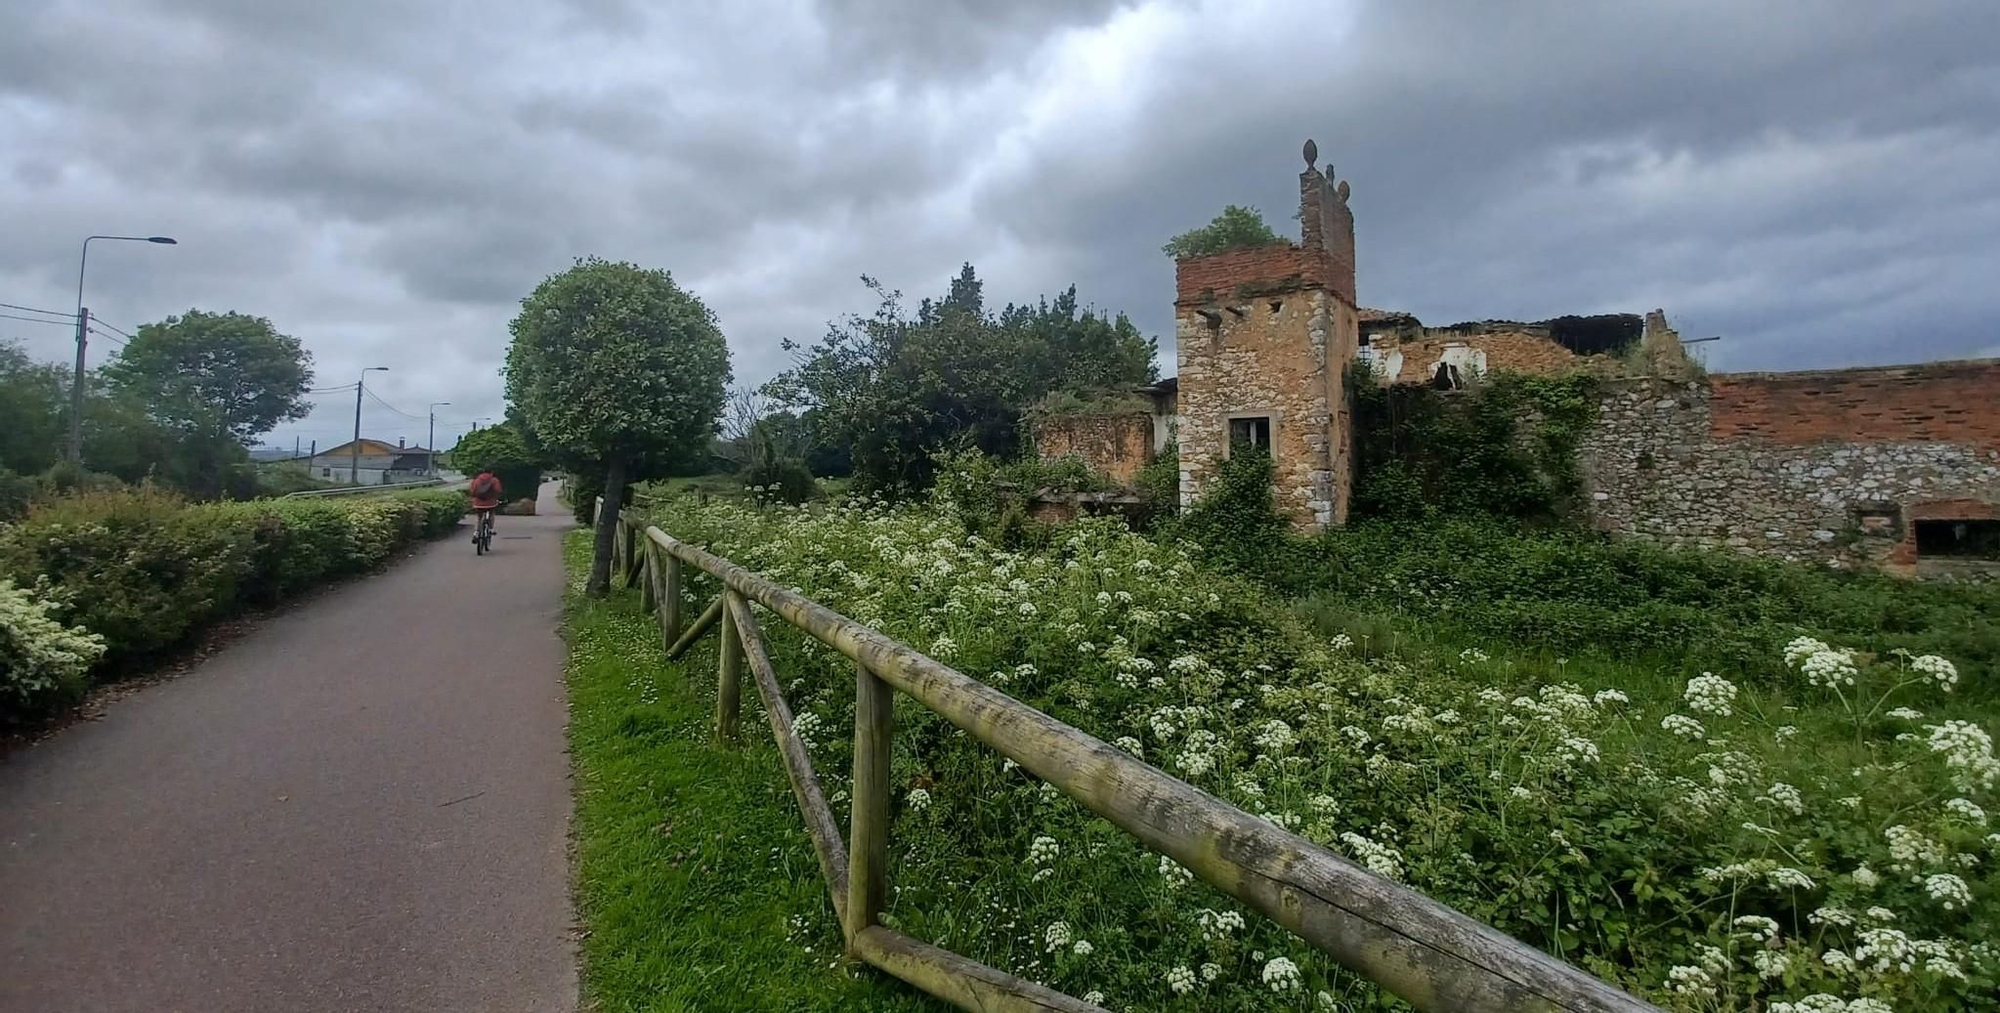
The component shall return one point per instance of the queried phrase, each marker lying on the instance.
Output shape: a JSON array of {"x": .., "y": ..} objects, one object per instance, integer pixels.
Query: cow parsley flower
[
  {"x": 1575, "y": 749},
  {"x": 1770, "y": 963},
  {"x": 1607, "y": 697},
  {"x": 1838, "y": 962},
  {"x": 1939, "y": 671},
  {"x": 1276, "y": 736},
  {"x": 1829, "y": 668},
  {"x": 1756, "y": 927},
  {"x": 1802, "y": 648},
  {"x": 1043, "y": 850},
  {"x": 1057, "y": 936},
  {"x": 1218, "y": 924},
  {"x": 1865, "y": 877},
  {"x": 1884, "y": 948},
  {"x": 1380, "y": 859},
  {"x": 1904, "y": 714},
  {"x": 1094, "y": 997},
  {"x": 1949, "y": 891},
  {"x": 1082, "y": 948},
  {"x": 1181, "y": 980},
  {"x": 1130, "y": 745},
  {"x": 1786, "y": 797},
  {"x": 1682, "y": 725},
  {"x": 919, "y": 799},
  {"x": 1281, "y": 975},
  {"x": 1967, "y": 810},
  {"x": 1210, "y": 972},
  {"x": 1472, "y": 654},
  {"x": 1968, "y": 753},
  {"x": 1341, "y": 642},
  {"x": 1709, "y": 693},
  {"x": 1685, "y": 979},
  {"x": 1174, "y": 874}
]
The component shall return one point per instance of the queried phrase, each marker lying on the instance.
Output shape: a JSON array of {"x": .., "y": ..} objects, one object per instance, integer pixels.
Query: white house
[{"x": 379, "y": 463}]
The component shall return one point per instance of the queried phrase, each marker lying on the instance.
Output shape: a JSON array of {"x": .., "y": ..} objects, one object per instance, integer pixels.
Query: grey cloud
[{"x": 387, "y": 180}]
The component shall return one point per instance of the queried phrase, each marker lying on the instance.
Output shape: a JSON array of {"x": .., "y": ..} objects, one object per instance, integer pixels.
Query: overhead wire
[
  {"x": 39, "y": 320},
  {"x": 414, "y": 418},
  {"x": 129, "y": 336},
  {"x": 34, "y": 309}
]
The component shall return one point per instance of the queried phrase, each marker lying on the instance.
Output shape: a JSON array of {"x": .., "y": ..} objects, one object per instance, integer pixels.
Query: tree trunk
[{"x": 609, "y": 504}]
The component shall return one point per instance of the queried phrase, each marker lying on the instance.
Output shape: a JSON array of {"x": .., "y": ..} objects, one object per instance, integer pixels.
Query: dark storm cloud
[{"x": 387, "y": 180}]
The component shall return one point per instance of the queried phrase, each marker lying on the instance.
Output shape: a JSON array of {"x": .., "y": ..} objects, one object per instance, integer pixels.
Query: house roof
[{"x": 369, "y": 448}]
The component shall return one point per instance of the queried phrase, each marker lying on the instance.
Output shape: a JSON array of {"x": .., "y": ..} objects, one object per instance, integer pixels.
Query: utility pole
[
  {"x": 76, "y": 388},
  {"x": 430, "y": 443},
  {"x": 354, "y": 470}
]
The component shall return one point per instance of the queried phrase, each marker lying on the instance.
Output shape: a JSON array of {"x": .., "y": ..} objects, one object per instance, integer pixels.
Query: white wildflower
[
  {"x": 1770, "y": 963},
  {"x": 919, "y": 799},
  {"x": 1829, "y": 668},
  {"x": 1043, "y": 850},
  {"x": 1967, "y": 810},
  {"x": 1606, "y": 697},
  {"x": 1883, "y": 948},
  {"x": 1939, "y": 671},
  {"x": 1380, "y": 859},
  {"x": 1802, "y": 648},
  {"x": 1342, "y": 642},
  {"x": 1682, "y": 725},
  {"x": 1174, "y": 874},
  {"x": 1865, "y": 877},
  {"x": 1709, "y": 693},
  {"x": 1786, "y": 797},
  {"x": 1756, "y": 927},
  {"x": 1905, "y": 714},
  {"x": 1181, "y": 980},
  {"x": 1082, "y": 948},
  {"x": 1281, "y": 975},
  {"x": 1057, "y": 936},
  {"x": 1687, "y": 980},
  {"x": 1210, "y": 972},
  {"x": 1949, "y": 891},
  {"x": 1130, "y": 745}
]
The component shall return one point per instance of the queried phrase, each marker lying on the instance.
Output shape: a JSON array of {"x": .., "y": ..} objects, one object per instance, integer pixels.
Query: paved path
[{"x": 362, "y": 805}]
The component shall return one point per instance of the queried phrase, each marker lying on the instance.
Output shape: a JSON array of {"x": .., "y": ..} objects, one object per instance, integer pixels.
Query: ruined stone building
[{"x": 1897, "y": 466}]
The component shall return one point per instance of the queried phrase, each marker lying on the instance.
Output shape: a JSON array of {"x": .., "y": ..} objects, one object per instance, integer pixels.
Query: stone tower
[{"x": 1266, "y": 334}]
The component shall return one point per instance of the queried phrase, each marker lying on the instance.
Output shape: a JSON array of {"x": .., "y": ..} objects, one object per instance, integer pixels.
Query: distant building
[{"x": 379, "y": 463}]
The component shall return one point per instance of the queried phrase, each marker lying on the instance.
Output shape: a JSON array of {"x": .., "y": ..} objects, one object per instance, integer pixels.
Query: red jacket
[{"x": 485, "y": 491}]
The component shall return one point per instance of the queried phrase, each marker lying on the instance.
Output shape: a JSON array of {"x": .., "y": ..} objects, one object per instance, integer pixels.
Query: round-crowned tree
[{"x": 618, "y": 371}]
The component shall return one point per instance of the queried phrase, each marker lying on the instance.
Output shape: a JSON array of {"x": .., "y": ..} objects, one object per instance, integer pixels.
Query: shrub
[
  {"x": 143, "y": 570},
  {"x": 42, "y": 661},
  {"x": 780, "y": 480}
]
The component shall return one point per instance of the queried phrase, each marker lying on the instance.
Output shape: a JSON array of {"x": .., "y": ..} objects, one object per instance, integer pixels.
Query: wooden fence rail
[{"x": 1430, "y": 955}]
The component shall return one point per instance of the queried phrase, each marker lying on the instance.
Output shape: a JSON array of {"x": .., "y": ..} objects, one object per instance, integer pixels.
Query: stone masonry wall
[
  {"x": 1117, "y": 445},
  {"x": 1765, "y": 464},
  {"x": 1268, "y": 361}
]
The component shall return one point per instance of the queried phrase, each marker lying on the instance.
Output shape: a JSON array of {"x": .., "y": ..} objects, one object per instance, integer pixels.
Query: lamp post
[
  {"x": 82, "y": 333},
  {"x": 354, "y": 471},
  {"x": 430, "y": 445}
]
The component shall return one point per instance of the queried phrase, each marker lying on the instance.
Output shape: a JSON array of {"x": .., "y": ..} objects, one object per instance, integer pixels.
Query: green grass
[{"x": 696, "y": 884}]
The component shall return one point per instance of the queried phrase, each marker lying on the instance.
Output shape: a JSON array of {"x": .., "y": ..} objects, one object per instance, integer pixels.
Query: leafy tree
[
  {"x": 894, "y": 388},
  {"x": 218, "y": 374},
  {"x": 1235, "y": 228},
  {"x": 617, "y": 370},
  {"x": 502, "y": 450},
  {"x": 32, "y": 412}
]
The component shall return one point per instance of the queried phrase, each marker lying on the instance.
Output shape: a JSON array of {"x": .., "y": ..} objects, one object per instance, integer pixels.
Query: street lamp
[
  {"x": 354, "y": 471},
  {"x": 82, "y": 330},
  {"x": 430, "y": 444}
]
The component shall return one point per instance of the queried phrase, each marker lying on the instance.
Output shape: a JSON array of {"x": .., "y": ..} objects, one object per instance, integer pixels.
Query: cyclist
[{"x": 486, "y": 492}]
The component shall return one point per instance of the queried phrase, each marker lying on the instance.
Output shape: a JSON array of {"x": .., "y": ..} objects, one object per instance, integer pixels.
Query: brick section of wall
[
  {"x": 1218, "y": 276},
  {"x": 1950, "y": 401},
  {"x": 1661, "y": 463},
  {"x": 1117, "y": 445}
]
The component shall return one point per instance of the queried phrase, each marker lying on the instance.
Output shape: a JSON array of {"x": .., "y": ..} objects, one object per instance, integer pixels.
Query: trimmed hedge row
[{"x": 144, "y": 571}]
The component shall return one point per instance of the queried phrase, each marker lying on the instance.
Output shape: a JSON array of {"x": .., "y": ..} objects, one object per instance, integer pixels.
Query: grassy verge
[{"x": 696, "y": 884}]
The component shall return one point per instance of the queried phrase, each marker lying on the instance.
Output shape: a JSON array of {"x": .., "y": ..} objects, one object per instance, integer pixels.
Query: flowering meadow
[{"x": 1711, "y": 843}]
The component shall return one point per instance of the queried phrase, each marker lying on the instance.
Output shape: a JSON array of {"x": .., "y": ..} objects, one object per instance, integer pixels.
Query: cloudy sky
[{"x": 1815, "y": 182}]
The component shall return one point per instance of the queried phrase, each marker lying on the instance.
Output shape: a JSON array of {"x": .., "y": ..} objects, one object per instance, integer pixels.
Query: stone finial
[
  {"x": 1342, "y": 191},
  {"x": 1312, "y": 152}
]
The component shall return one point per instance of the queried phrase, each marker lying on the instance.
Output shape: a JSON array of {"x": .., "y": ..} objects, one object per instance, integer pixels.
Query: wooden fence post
[
  {"x": 633, "y": 559},
  {"x": 670, "y": 600},
  {"x": 649, "y": 570},
  {"x": 729, "y": 673},
  {"x": 868, "y": 843}
]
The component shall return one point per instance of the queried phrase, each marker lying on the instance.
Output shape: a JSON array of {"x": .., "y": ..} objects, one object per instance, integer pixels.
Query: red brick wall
[
  {"x": 1198, "y": 280},
  {"x": 1956, "y": 402}
]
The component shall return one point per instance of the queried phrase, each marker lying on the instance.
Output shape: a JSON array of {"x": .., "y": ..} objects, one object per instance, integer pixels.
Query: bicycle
[{"x": 482, "y": 533}]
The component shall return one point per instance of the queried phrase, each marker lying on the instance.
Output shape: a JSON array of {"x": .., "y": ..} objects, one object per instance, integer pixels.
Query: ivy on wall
[{"x": 1504, "y": 447}]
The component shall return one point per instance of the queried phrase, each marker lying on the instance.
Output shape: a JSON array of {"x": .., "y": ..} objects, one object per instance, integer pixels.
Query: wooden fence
[{"x": 1430, "y": 955}]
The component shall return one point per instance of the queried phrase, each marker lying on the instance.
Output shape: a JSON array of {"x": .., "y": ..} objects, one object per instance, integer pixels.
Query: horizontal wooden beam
[
  {"x": 820, "y": 825},
  {"x": 961, "y": 981},
  {"x": 1433, "y": 957}
]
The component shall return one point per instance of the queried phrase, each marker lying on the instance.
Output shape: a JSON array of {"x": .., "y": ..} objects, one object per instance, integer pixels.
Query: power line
[
  {"x": 99, "y": 321},
  {"x": 71, "y": 324},
  {"x": 393, "y": 408},
  {"x": 113, "y": 338},
  {"x": 31, "y": 309}
]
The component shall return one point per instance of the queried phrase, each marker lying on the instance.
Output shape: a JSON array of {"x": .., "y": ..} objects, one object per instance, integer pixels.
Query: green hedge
[{"x": 145, "y": 571}]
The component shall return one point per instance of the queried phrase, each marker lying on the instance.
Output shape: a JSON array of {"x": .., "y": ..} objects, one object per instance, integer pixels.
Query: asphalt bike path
[{"x": 360, "y": 805}]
